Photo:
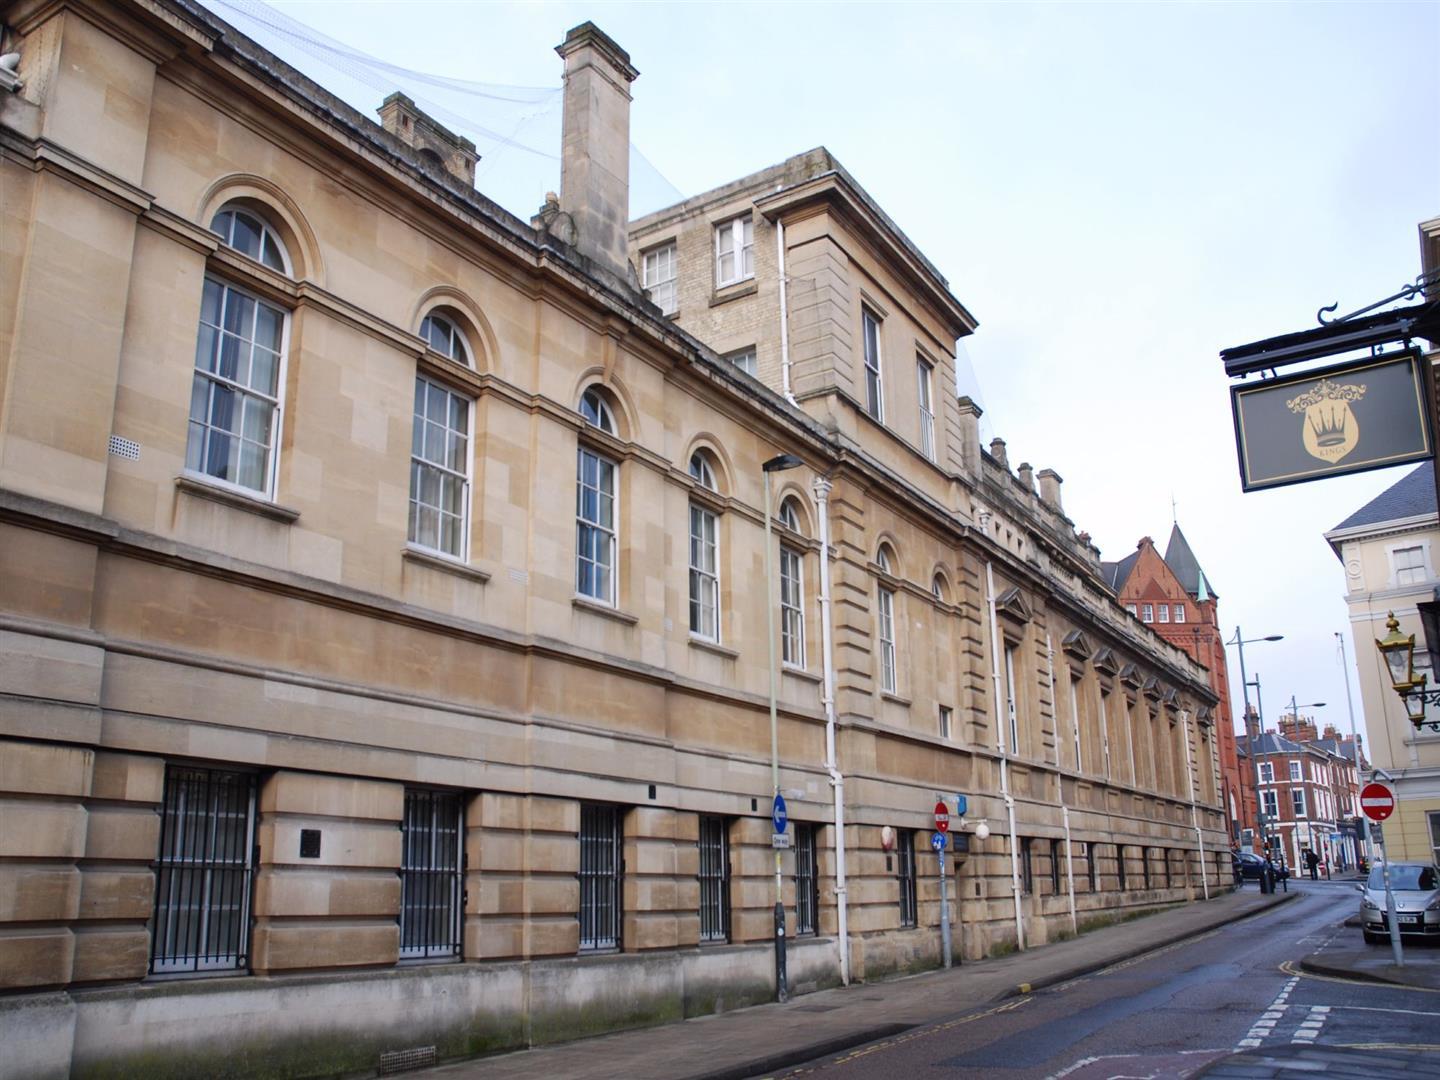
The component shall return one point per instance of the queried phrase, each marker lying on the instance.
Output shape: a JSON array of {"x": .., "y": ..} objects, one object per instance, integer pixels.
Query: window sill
[
  {"x": 714, "y": 647},
  {"x": 887, "y": 695},
  {"x": 801, "y": 673},
  {"x": 736, "y": 290},
  {"x": 605, "y": 611},
  {"x": 444, "y": 564},
  {"x": 232, "y": 497}
]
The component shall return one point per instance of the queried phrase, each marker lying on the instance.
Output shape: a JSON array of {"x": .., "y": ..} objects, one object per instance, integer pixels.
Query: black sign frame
[{"x": 1424, "y": 390}]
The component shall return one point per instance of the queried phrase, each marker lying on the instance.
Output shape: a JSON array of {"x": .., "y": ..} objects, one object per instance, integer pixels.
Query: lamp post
[
  {"x": 1251, "y": 739},
  {"x": 1309, "y": 829},
  {"x": 1399, "y": 653},
  {"x": 1353, "y": 802},
  {"x": 776, "y": 464}
]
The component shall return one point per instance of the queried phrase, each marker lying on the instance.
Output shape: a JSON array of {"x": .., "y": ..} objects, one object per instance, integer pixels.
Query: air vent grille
[{"x": 125, "y": 448}]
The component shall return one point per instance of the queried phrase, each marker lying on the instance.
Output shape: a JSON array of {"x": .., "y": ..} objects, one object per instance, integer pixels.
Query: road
[{"x": 1174, "y": 1012}]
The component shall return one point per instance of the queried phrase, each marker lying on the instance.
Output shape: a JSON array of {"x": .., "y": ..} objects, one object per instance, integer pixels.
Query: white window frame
[
  {"x": 947, "y": 721},
  {"x": 1132, "y": 610},
  {"x": 1147, "y": 613},
  {"x": 1012, "y": 703},
  {"x": 1179, "y": 613},
  {"x": 1297, "y": 771},
  {"x": 274, "y": 401},
  {"x": 421, "y": 465},
  {"x": 888, "y": 681},
  {"x": 231, "y": 212},
  {"x": 924, "y": 378},
  {"x": 1270, "y": 804},
  {"x": 451, "y": 344},
  {"x": 1267, "y": 772},
  {"x": 735, "y": 239},
  {"x": 660, "y": 276},
  {"x": 1417, "y": 573},
  {"x": 792, "y": 607},
  {"x": 747, "y": 360},
  {"x": 1075, "y": 687},
  {"x": 870, "y": 324},
  {"x": 1164, "y": 613},
  {"x": 704, "y": 573},
  {"x": 1297, "y": 802},
  {"x": 606, "y": 540}
]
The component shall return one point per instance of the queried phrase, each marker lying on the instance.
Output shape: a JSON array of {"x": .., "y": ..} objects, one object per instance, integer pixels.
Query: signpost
[
  {"x": 937, "y": 841},
  {"x": 1377, "y": 802}
]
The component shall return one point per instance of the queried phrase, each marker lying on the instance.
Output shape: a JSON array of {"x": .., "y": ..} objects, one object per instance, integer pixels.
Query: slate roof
[
  {"x": 1185, "y": 566},
  {"x": 1270, "y": 743},
  {"x": 1117, "y": 573},
  {"x": 1412, "y": 496}
]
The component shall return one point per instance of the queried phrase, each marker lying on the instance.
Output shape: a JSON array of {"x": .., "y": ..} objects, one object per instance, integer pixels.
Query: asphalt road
[{"x": 1174, "y": 1012}]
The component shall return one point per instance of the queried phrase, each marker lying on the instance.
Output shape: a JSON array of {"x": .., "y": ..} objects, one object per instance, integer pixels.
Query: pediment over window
[
  {"x": 1012, "y": 605},
  {"x": 1204, "y": 716},
  {"x": 1078, "y": 645},
  {"x": 1131, "y": 677},
  {"x": 1153, "y": 690},
  {"x": 1105, "y": 661}
]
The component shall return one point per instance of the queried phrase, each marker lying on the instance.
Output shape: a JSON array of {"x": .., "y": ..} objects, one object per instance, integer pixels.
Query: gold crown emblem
[{"x": 1330, "y": 430}]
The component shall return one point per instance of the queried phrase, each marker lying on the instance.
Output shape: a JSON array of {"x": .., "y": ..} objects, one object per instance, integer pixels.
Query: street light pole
[
  {"x": 1309, "y": 828},
  {"x": 775, "y": 464},
  {"x": 1240, "y": 641},
  {"x": 1360, "y": 844}
]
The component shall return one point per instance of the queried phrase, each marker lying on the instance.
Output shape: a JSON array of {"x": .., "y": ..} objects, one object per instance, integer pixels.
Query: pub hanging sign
[{"x": 1328, "y": 422}]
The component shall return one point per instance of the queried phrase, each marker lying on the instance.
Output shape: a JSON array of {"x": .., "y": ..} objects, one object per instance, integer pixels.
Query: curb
[
  {"x": 1090, "y": 967},
  {"x": 1335, "y": 971}
]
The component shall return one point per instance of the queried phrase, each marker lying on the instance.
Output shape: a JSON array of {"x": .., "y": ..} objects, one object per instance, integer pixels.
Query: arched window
[
  {"x": 596, "y": 521},
  {"x": 885, "y": 559},
  {"x": 938, "y": 589},
  {"x": 885, "y": 603},
  {"x": 444, "y": 337},
  {"x": 597, "y": 412},
  {"x": 790, "y": 515},
  {"x": 235, "y": 398},
  {"x": 701, "y": 472},
  {"x": 250, "y": 234}
]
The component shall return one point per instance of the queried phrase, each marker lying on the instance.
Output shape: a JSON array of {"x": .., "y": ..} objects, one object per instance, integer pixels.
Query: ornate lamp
[{"x": 1399, "y": 652}]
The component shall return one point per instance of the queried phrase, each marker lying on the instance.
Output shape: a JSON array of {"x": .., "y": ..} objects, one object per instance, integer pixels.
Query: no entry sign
[
  {"x": 942, "y": 817},
  {"x": 1377, "y": 802}
]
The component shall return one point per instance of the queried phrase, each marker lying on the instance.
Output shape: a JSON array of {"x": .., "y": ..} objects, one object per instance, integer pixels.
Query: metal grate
[
  {"x": 714, "y": 880},
  {"x": 905, "y": 847},
  {"x": 600, "y": 872},
  {"x": 202, "y": 886},
  {"x": 125, "y": 448},
  {"x": 430, "y": 874},
  {"x": 398, "y": 1061},
  {"x": 807, "y": 884}
]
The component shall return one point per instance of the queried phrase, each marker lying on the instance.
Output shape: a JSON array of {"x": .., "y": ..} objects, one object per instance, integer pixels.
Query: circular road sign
[
  {"x": 1377, "y": 801},
  {"x": 942, "y": 817},
  {"x": 778, "y": 815}
]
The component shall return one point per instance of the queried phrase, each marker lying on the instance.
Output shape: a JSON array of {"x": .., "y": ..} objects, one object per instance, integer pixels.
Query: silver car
[{"x": 1417, "y": 901}]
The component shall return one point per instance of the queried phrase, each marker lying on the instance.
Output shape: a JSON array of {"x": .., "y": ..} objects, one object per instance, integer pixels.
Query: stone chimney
[
  {"x": 1027, "y": 477},
  {"x": 595, "y": 148},
  {"x": 1050, "y": 482},
  {"x": 436, "y": 145},
  {"x": 970, "y": 414},
  {"x": 997, "y": 451}
]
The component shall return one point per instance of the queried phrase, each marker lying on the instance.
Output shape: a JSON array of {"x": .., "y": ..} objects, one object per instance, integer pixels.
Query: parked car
[
  {"x": 1417, "y": 901},
  {"x": 1250, "y": 865}
]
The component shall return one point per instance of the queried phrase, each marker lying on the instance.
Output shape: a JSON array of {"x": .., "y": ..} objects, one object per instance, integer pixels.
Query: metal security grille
[
  {"x": 430, "y": 874},
  {"x": 905, "y": 847},
  {"x": 1145, "y": 866},
  {"x": 600, "y": 872},
  {"x": 1055, "y": 849},
  {"x": 1120, "y": 866},
  {"x": 807, "y": 884},
  {"x": 202, "y": 876},
  {"x": 714, "y": 880}
]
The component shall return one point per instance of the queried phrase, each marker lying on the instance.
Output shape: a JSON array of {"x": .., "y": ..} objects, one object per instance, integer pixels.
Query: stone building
[
  {"x": 1172, "y": 595},
  {"x": 381, "y": 648},
  {"x": 1389, "y": 548}
]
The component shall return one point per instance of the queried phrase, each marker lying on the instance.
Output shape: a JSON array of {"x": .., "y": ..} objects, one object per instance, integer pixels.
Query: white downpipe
[
  {"x": 784, "y": 314},
  {"x": 1064, "y": 810},
  {"x": 1000, "y": 725},
  {"x": 821, "y": 487},
  {"x": 1194, "y": 816}
]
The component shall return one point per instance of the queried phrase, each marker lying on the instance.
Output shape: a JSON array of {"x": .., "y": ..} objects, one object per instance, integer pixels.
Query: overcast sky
[{"x": 1116, "y": 191}]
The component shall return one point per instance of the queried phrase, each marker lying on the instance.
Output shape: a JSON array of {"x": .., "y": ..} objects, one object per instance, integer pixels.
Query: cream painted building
[
  {"x": 1389, "y": 549},
  {"x": 382, "y": 587}
]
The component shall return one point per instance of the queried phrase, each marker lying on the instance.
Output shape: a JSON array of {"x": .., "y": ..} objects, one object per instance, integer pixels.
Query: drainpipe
[
  {"x": 821, "y": 487},
  {"x": 1004, "y": 754},
  {"x": 1194, "y": 817},
  {"x": 784, "y": 317},
  {"x": 1064, "y": 810}
]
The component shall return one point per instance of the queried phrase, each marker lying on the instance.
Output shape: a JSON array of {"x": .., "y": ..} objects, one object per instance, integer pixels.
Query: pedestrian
[{"x": 1312, "y": 862}]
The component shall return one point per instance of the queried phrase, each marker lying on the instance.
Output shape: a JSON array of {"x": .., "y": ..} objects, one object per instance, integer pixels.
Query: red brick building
[{"x": 1172, "y": 596}]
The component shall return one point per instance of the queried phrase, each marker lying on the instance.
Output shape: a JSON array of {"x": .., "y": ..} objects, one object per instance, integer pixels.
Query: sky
[{"x": 1115, "y": 191}]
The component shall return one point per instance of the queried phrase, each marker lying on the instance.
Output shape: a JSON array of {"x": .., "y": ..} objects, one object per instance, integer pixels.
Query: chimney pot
[
  {"x": 997, "y": 451},
  {"x": 1027, "y": 477},
  {"x": 1050, "y": 482}
]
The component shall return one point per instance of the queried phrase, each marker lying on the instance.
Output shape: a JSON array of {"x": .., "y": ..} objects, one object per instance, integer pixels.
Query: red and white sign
[
  {"x": 1377, "y": 802},
  {"x": 942, "y": 817}
]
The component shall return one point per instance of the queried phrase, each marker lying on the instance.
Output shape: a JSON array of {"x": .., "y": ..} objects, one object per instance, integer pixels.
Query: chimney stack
[
  {"x": 1027, "y": 477},
  {"x": 970, "y": 414},
  {"x": 997, "y": 451},
  {"x": 1050, "y": 482},
  {"x": 595, "y": 147}
]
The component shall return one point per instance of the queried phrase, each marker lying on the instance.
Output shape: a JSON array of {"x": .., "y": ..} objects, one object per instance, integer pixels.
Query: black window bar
[
  {"x": 1055, "y": 849},
  {"x": 203, "y": 872},
  {"x": 714, "y": 880},
  {"x": 807, "y": 881},
  {"x": 431, "y": 874},
  {"x": 1120, "y": 866},
  {"x": 906, "y": 850},
  {"x": 600, "y": 872}
]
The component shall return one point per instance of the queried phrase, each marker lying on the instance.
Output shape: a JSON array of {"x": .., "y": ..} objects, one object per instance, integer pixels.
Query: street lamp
[
  {"x": 1309, "y": 833},
  {"x": 1399, "y": 653},
  {"x": 776, "y": 464},
  {"x": 1251, "y": 737}
]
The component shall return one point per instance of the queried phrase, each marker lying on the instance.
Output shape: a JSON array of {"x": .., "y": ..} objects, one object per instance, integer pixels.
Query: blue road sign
[
  {"x": 961, "y": 805},
  {"x": 937, "y": 841},
  {"x": 778, "y": 814}
]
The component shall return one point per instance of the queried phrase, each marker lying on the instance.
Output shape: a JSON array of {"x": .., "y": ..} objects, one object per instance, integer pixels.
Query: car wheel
[{"x": 1373, "y": 939}]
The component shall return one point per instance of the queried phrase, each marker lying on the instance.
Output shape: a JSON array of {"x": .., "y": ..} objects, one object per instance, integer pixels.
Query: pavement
[{"x": 767, "y": 1038}]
